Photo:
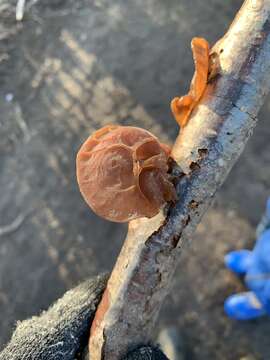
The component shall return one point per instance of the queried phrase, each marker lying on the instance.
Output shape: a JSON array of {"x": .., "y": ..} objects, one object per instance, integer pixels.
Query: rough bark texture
[{"x": 206, "y": 151}]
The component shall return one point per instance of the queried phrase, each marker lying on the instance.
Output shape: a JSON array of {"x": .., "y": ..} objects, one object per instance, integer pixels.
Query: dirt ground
[{"x": 72, "y": 67}]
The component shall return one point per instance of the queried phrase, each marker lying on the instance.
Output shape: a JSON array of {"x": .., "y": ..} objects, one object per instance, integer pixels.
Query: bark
[{"x": 205, "y": 150}]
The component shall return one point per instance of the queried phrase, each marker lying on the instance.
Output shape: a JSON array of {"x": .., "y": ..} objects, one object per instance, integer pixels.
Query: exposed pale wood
[{"x": 206, "y": 150}]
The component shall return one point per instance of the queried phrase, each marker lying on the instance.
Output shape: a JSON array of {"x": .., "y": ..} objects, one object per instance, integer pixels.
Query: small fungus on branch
[{"x": 183, "y": 106}]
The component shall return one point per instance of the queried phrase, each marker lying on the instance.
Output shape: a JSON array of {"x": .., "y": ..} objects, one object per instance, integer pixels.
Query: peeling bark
[{"x": 205, "y": 150}]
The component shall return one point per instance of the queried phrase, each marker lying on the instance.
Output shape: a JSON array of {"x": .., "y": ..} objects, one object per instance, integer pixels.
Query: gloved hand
[
  {"x": 62, "y": 332},
  {"x": 255, "y": 266}
]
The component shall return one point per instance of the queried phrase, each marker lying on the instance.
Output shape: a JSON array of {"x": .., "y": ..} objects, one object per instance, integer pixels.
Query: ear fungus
[
  {"x": 182, "y": 106},
  {"x": 122, "y": 173}
]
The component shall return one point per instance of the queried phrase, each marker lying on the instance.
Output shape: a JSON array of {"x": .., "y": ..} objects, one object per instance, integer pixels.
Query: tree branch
[{"x": 206, "y": 150}]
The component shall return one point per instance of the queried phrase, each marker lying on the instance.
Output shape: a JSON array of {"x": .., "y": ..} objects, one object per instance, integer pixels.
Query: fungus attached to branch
[
  {"x": 183, "y": 106},
  {"x": 122, "y": 173}
]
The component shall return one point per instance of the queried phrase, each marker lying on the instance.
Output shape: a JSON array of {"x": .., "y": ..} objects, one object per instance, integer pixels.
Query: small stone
[{"x": 9, "y": 97}]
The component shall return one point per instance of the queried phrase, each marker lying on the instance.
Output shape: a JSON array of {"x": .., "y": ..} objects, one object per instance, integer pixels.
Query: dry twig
[
  {"x": 13, "y": 226},
  {"x": 206, "y": 150}
]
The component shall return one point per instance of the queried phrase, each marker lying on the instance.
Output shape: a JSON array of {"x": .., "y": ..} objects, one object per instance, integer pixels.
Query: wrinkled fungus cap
[{"x": 122, "y": 173}]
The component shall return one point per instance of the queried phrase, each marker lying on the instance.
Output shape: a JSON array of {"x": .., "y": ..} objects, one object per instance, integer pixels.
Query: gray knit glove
[{"x": 62, "y": 332}]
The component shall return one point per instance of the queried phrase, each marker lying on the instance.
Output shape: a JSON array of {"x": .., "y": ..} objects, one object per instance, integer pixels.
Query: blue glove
[{"x": 255, "y": 266}]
